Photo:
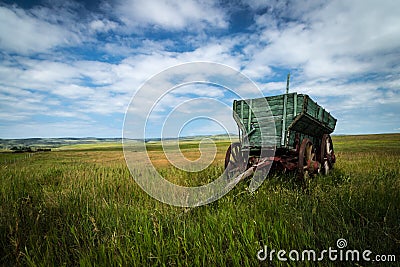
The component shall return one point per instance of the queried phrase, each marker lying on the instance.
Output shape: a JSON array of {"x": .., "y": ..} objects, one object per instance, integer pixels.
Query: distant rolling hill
[{"x": 7, "y": 144}]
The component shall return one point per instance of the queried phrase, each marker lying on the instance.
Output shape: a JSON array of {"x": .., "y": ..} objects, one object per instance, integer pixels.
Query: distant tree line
[{"x": 21, "y": 149}]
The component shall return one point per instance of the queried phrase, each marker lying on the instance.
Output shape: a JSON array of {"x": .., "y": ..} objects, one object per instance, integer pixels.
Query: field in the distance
[{"x": 79, "y": 206}]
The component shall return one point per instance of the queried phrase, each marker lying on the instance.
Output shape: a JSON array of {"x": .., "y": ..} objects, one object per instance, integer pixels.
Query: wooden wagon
[{"x": 298, "y": 140}]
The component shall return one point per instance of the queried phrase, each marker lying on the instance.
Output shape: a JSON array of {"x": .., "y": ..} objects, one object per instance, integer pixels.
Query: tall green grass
[{"x": 83, "y": 208}]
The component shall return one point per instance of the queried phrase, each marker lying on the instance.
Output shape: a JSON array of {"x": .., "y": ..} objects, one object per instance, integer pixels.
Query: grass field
[{"x": 80, "y": 206}]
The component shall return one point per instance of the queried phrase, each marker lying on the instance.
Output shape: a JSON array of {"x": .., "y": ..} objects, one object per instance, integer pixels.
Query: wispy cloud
[
  {"x": 335, "y": 40},
  {"x": 170, "y": 15},
  {"x": 25, "y": 32}
]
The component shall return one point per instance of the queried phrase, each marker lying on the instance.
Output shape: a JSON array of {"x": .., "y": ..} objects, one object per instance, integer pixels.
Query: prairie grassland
[{"x": 81, "y": 207}]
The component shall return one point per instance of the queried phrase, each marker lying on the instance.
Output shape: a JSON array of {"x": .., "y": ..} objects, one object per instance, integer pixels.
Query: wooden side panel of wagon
[{"x": 291, "y": 113}]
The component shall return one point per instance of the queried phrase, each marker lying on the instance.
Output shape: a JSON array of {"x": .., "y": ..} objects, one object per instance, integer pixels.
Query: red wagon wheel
[
  {"x": 327, "y": 154},
  {"x": 235, "y": 160},
  {"x": 308, "y": 164}
]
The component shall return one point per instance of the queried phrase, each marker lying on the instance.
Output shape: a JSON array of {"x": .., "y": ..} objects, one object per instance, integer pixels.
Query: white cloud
[
  {"x": 18, "y": 104},
  {"x": 339, "y": 39},
  {"x": 25, "y": 33},
  {"x": 73, "y": 91},
  {"x": 199, "y": 89},
  {"x": 170, "y": 15},
  {"x": 272, "y": 87},
  {"x": 104, "y": 25}
]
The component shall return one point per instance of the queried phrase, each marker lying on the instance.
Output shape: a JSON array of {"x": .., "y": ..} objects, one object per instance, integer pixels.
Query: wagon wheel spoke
[
  {"x": 328, "y": 148},
  {"x": 310, "y": 152},
  {"x": 235, "y": 160},
  {"x": 327, "y": 156},
  {"x": 236, "y": 155},
  {"x": 307, "y": 161}
]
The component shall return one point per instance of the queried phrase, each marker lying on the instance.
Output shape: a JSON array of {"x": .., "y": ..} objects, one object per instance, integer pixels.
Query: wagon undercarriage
[{"x": 307, "y": 159}]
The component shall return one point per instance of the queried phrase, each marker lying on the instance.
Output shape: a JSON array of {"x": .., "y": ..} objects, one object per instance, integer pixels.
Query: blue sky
[{"x": 70, "y": 68}]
